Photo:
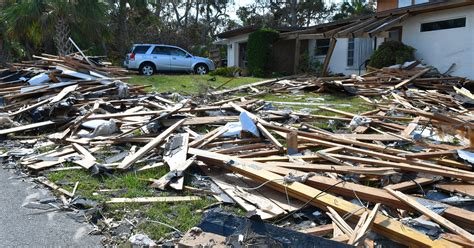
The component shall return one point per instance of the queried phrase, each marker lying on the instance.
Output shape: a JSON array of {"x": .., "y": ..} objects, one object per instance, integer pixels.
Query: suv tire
[
  {"x": 147, "y": 69},
  {"x": 201, "y": 69}
]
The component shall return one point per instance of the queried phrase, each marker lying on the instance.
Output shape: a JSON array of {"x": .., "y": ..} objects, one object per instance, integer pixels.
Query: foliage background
[{"x": 110, "y": 27}]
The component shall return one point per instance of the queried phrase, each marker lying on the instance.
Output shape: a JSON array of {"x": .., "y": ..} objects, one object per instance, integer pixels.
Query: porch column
[
  {"x": 327, "y": 59},
  {"x": 296, "y": 63}
]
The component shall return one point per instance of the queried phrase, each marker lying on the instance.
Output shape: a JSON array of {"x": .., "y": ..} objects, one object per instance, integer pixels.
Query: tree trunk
[{"x": 61, "y": 38}]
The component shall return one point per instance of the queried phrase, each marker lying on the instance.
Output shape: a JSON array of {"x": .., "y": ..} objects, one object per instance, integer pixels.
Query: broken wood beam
[
  {"x": 382, "y": 224},
  {"x": 131, "y": 159}
]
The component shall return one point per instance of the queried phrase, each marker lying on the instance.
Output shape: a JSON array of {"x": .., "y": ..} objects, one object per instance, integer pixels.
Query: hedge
[
  {"x": 259, "y": 48},
  {"x": 392, "y": 53}
]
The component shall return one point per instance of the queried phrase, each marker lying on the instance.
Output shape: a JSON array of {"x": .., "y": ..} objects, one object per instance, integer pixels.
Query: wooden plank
[
  {"x": 319, "y": 230},
  {"x": 234, "y": 187},
  {"x": 461, "y": 188},
  {"x": 245, "y": 86},
  {"x": 130, "y": 160},
  {"x": 54, "y": 186},
  {"x": 327, "y": 58},
  {"x": 204, "y": 137},
  {"x": 64, "y": 92},
  {"x": 366, "y": 193},
  {"x": 409, "y": 80},
  {"x": 411, "y": 127},
  {"x": 357, "y": 228},
  {"x": 83, "y": 151},
  {"x": 154, "y": 199},
  {"x": 340, "y": 222},
  {"x": 26, "y": 127},
  {"x": 309, "y": 167},
  {"x": 367, "y": 224},
  {"x": 382, "y": 224},
  {"x": 428, "y": 155},
  {"x": 292, "y": 143},
  {"x": 175, "y": 157},
  {"x": 30, "y": 107},
  {"x": 413, "y": 184},
  {"x": 432, "y": 215}
]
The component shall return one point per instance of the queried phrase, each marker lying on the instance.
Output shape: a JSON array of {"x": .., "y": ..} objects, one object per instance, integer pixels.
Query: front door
[{"x": 243, "y": 55}]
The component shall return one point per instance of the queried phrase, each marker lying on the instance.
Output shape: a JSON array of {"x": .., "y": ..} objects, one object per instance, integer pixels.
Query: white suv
[{"x": 149, "y": 58}]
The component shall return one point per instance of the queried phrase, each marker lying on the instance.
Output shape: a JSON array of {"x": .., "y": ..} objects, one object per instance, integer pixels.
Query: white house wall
[
  {"x": 441, "y": 48},
  {"x": 338, "y": 63},
  {"x": 233, "y": 49}
]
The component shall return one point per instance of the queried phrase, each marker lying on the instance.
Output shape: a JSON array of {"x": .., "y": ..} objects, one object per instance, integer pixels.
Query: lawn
[{"x": 189, "y": 84}]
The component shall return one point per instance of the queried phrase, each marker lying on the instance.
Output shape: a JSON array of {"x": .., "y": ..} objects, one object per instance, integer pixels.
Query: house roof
[
  {"x": 250, "y": 29},
  {"x": 373, "y": 24}
]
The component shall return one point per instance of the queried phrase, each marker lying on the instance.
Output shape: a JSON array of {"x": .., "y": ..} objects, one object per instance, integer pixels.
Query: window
[
  {"x": 440, "y": 25},
  {"x": 322, "y": 47},
  {"x": 140, "y": 49},
  {"x": 350, "y": 52},
  {"x": 421, "y": 1},
  {"x": 161, "y": 50},
  {"x": 395, "y": 34},
  {"x": 404, "y": 3},
  {"x": 177, "y": 52}
]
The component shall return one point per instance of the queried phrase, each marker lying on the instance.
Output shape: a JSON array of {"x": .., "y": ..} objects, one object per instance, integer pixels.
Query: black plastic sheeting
[{"x": 244, "y": 232}]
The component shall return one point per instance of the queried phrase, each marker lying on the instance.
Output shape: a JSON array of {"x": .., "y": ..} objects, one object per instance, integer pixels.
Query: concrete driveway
[{"x": 25, "y": 227}]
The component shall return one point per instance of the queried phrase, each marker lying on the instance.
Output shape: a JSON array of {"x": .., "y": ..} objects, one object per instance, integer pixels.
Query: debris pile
[{"x": 400, "y": 172}]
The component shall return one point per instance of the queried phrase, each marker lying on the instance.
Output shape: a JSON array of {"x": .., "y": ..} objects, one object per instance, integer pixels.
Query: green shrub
[
  {"x": 392, "y": 53},
  {"x": 226, "y": 71},
  {"x": 310, "y": 65},
  {"x": 259, "y": 49}
]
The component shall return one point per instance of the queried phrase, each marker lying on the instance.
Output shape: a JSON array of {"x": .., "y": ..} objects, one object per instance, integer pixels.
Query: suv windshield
[{"x": 140, "y": 49}]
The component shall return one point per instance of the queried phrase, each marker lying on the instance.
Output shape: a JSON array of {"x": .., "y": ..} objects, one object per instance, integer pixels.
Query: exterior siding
[
  {"x": 383, "y": 5},
  {"x": 442, "y": 48}
]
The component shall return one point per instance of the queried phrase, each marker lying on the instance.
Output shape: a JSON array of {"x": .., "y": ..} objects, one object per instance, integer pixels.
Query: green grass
[
  {"x": 342, "y": 102},
  {"x": 188, "y": 84},
  {"x": 181, "y": 215}
]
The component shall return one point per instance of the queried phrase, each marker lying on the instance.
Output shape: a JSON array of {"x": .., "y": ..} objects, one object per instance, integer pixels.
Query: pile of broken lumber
[
  {"x": 374, "y": 83},
  {"x": 375, "y": 177}
]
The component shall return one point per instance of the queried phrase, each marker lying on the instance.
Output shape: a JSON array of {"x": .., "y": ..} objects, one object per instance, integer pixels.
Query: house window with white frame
[{"x": 350, "y": 52}]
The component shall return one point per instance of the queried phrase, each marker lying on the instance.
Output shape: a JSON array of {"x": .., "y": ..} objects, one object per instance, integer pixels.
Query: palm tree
[
  {"x": 354, "y": 8},
  {"x": 45, "y": 25}
]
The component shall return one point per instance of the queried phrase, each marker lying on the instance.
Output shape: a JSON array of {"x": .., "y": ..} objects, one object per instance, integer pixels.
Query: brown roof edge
[
  {"x": 249, "y": 29},
  {"x": 414, "y": 9}
]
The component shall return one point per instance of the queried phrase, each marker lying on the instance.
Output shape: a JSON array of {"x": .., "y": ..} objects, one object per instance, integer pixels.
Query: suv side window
[
  {"x": 161, "y": 50},
  {"x": 177, "y": 52},
  {"x": 141, "y": 49}
]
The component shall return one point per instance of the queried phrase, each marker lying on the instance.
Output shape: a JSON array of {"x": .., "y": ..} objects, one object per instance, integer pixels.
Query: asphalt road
[{"x": 24, "y": 227}]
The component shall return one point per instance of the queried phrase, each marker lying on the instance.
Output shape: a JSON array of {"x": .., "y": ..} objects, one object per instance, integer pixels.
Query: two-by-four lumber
[
  {"x": 432, "y": 215},
  {"x": 360, "y": 233},
  {"x": 406, "y": 81},
  {"x": 26, "y": 127},
  {"x": 131, "y": 159},
  {"x": 382, "y": 224},
  {"x": 370, "y": 194},
  {"x": 413, "y": 184},
  {"x": 154, "y": 199}
]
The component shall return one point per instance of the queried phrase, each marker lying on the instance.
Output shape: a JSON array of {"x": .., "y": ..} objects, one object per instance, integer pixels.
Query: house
[
  {"x": 442, "y": 32},
  {"x": 236, "y": 42}
]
